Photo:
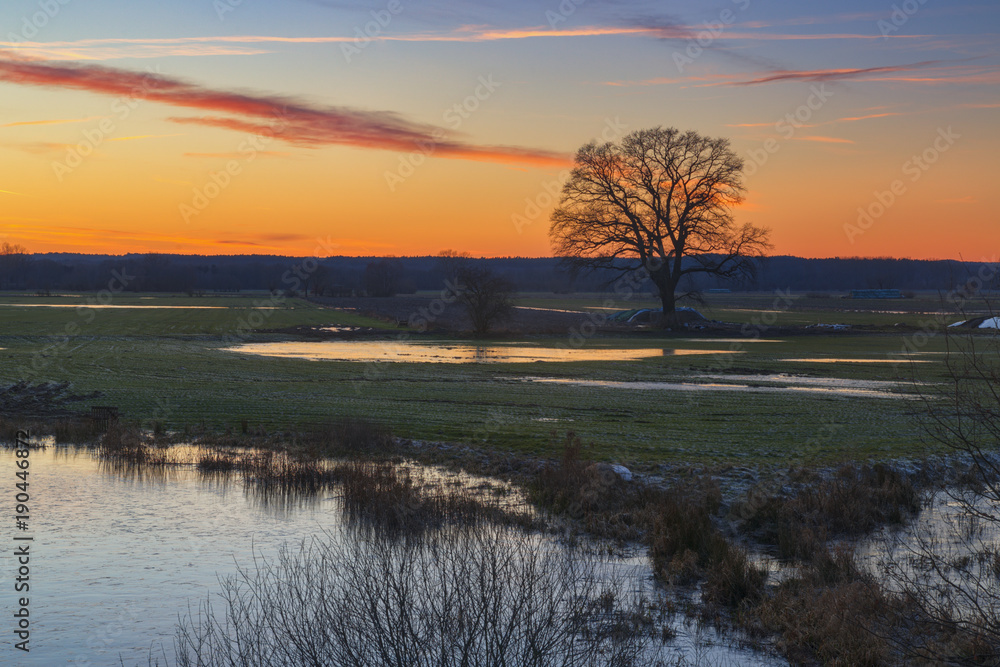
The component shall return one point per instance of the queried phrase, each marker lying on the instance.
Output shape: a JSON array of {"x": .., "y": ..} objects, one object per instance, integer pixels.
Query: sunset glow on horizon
[{"x": 333, "y": 127}]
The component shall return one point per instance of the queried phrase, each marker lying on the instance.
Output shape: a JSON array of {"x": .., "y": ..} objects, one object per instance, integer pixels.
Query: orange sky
[{"x": 452, "y": 129}]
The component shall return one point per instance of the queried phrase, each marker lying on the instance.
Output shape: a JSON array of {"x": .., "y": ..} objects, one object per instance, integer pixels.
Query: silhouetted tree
[
  {"x": 381, "y": 277},
  {"x": 660, "y": 200},
  {"x": 485, "y": 296},
  {"x": 13, "y": 262}
]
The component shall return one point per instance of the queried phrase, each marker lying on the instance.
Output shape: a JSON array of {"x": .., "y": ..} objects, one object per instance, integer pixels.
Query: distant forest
[{"x": 385, "y": 276}]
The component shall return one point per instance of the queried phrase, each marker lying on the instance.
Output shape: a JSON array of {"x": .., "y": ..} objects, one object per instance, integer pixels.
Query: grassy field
[
  {"x": 785, "y": 309},
  {"x": 170, "y": 365}
]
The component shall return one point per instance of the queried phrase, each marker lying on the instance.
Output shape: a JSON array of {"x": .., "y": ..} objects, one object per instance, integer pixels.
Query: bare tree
[
  {"x": 382, "y": 277},
  {"x": 947, "y": 568},
  {"x": 659, "y": 200},
  {"x": 13, "y": 260},
  {"x": 485, "y": 296}
]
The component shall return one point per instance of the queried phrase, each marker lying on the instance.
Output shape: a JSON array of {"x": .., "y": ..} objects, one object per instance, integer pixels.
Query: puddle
[
  {"x": 828, "y": 360},
  {"x": 709, "y": 386},
  {"x": 951, "y": 547},
  {"x": 128, "y": 307},
  {"x": 447, "y": 353},
  {"x": 124, "y": 555},
  {"x": 339, "y": 329},
  {"x": 551, "y": 310},
  {"x": 732, "y": 340},
  {"x": 807, "y": 381}
]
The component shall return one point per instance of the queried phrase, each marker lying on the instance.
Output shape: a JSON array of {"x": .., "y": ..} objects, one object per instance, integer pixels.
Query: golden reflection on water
[{"x": 452, "y": 353}]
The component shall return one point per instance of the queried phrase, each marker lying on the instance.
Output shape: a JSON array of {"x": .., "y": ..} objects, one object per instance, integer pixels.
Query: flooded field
[
  {"x": 846, "y": 360},
  {"x": 110, "y": 306},
  {"x": 452, "y": 353},
  {"x": 783, "y": 384},
  {"x": 119, "y": 553}
]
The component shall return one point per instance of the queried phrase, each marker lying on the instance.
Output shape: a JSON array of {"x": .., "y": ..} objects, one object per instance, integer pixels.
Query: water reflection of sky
[
  {"x": 116, "y": 558},
  {"x": 831, "y": 388},
  {"x": 452, "y": 353}
]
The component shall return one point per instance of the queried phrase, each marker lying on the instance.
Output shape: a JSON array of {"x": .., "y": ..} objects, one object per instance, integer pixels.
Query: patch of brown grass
[{"x": 854, "y": 501}]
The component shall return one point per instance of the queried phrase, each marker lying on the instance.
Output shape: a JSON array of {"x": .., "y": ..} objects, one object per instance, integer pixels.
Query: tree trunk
[
  {"x": 670, "y": 318},
  {"x": 667, "y": 299}
]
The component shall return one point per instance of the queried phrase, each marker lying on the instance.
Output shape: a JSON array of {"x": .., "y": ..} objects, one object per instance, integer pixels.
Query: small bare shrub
[{"x": 461, "y": 596}]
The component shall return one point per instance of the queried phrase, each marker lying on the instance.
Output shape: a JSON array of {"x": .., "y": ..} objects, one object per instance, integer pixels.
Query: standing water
[{"x": 119, "y": 554}]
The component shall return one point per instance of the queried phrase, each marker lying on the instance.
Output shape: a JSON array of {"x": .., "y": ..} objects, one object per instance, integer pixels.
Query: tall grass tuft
[
  {"x": 386, "y": 496},
  {"x": 855, "y": 500}
]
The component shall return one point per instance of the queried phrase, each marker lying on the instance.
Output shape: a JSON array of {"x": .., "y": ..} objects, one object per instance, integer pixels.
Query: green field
[
  {"x": 169, "y": 365},
  {"x": 786, "y": 309}
]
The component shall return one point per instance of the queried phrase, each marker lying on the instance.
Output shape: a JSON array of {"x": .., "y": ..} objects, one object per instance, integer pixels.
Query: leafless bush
[
  {"x": 485, "y": 595},
  {"x": 949, "y": 570}
]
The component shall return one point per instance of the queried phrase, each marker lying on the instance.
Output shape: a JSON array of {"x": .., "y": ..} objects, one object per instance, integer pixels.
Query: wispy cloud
[
  {"x": 823, "y": 75},
  {"x": 931, "y": 72},
  {"x": 144, "y": 136},
  {"x": 854, "y": 119},
  {"x": 237, "y": 155},
  {"x": 290, "y": 120},
  {"x": 102, "y": 236},
  {"x": 40, "y": 147},
  {"x": 816, "y": 20},
  {"x": 228, "y": 45},
  {"x": 114, "y": 48},
  {"x": 846, "y": 119},
  {"x": 58, "y": 121},
  {"x": 825, "y": 140},
  {"x": 9, "y": 192}
]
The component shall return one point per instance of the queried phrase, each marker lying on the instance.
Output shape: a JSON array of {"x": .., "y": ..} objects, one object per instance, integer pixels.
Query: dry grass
[
  {"x": 854, "y": 501},
  {"x": 66, "y": 430},
  {"x": 686, "y": 547},
  {"x": 122, "y": 443},
  {"x": 599, "y": 501},
  {"x": 387, "y": 496},
  {"x": 830, "y": 615}
]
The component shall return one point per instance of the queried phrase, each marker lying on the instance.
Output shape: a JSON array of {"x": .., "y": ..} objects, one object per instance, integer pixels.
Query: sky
[{"x": 398, "y": 127}]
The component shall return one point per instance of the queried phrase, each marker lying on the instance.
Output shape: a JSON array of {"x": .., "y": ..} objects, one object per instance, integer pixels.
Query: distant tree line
[{"x": 385, "y": 276}]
